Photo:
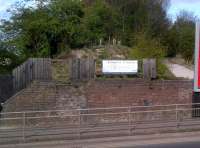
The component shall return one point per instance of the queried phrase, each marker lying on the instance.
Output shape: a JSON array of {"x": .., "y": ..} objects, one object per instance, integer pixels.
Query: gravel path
[{"x": 180, "y": 71}]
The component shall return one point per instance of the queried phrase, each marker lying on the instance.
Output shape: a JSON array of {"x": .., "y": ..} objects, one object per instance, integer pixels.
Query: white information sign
[{"x": 120, "y": 67}]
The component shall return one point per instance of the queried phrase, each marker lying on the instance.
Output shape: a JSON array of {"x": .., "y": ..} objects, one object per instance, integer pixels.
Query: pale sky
[
  {"x": 176, "y": 7},
  {"x": 188, "y": 5},
  {"x": 4, "y": 5}
]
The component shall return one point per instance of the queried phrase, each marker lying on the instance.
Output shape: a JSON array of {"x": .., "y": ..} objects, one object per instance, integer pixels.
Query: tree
[
  {"x": 102, "y": 22},
  {"x": 8, "y": 60},
  {"x": 171, "y": 41},
  {"x": 47, "y": 29},
  {"x": 67, "y": 22},
  {"x": 53, "y": 26},
  {"x": 185, "y": 34},
  {"x": 142, "y": 15},
  {"x": 146, "y": 47}
]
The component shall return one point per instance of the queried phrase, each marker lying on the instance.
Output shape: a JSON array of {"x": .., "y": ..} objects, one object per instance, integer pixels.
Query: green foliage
[
  {"x": 67, "y": 16},
  {"x": 102, "y": 21},
  {"x": 146, "y": 47},
  {"x": 172, "y": 42},
  {"x": 186, "y": 42},
  {"x": 48, "y": 30},
  {"x": 181, "y": 37},
  {"x": 60, "y": 25},
  {"x": 8, "y": 61},
  {"x": 142, "y": 15},
  {"x": 163, "y": 72},
  {"x": 185, "y": 26}
]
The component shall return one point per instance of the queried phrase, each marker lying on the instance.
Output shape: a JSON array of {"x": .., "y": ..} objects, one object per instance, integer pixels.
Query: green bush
[
  {"x": 147, "y": 48},
  {"x": 163, "y": 72}
]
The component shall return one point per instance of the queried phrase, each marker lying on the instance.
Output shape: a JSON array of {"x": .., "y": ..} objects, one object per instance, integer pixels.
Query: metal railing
[{"x": 97, "y": 122}]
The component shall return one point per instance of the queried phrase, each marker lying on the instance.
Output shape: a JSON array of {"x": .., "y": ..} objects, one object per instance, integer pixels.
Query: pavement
[
  {"x": 180, "y": 71},
  {"x": 173, "y": 140}
]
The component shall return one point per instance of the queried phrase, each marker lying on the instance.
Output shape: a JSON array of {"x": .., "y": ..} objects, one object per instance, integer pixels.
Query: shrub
[{"x": 146, "y": 47}]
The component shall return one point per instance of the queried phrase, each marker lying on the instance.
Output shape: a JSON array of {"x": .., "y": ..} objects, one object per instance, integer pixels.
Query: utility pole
[{"x": 196, "y": 92}]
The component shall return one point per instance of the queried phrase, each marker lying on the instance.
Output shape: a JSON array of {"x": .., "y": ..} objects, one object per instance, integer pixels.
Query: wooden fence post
[
  {"x": 149, "y": 69},
  {"x": 153, "y": 70},
  {"x": 146, "y": 70}
]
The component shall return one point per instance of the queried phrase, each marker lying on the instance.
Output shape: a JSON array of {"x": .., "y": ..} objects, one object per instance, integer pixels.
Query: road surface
[
  {"x": 174, "y": 145},
  {"x": 174, "y": 140}
]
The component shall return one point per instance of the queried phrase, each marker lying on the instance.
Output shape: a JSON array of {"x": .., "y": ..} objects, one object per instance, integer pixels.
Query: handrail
[
  {"x": 96, "y": 109},
  {"x": 97, "y": 114}
]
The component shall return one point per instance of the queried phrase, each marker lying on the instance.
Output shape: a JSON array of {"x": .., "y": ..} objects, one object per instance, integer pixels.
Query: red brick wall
[
  {"x": 100, "y": 93},
  {"x": 116, "y": 93}
]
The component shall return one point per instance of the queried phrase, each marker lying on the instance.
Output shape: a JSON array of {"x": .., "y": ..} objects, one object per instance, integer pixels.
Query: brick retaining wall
[
  {"x": 97, "y": 94},
  {"x": 116, "y": 93},
  {"x": 46, "y": 96},
  {"x": 100, "y": 93}
]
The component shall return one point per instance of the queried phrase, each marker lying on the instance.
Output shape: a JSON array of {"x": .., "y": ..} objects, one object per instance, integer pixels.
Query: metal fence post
[
  {"x": 80, "y": 124},
  {"x": 24, "y": 125},
  {"x": 176, "y": 113},
  {"x": 134, "y": 121},
  {"x": 129, "y": 120},
  {"x": 177, "y": 117}
]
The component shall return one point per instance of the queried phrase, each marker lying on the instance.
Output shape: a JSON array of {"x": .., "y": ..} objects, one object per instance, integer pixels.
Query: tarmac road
[
  {"x": 195, "y": 144},
  {"x": 174, "y": 140},
  {"x": 173, "y": 145}
]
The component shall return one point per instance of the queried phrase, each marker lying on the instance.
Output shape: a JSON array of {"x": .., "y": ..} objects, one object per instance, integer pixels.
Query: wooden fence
[
  {"x": 48, "y": 69},
  {"x": 82, "y": 69},
  {"x": 32, "y": 69},
  {"x": 74, "y": 70}
]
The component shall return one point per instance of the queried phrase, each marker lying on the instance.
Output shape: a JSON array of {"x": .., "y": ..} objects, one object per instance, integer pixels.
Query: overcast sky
[{"x": 176, "y": 6}]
